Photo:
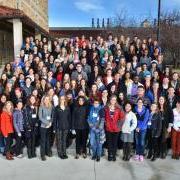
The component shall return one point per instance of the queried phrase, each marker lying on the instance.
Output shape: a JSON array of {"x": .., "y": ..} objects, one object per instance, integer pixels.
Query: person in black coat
[
  {"x": 61, "y": 126},
  {"x": 166, "y": 116},
  {"x": 171, "y": 98},
  {"x": 80, "y": 125},
  {"x": 31, "y": 124},
  {"x": 155, "y": 127}
]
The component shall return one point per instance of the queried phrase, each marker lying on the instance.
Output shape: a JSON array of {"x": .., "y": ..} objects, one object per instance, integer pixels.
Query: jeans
[
  {"x": 45, "y": 142},
  {"x": 19, "y": 144},
  {"x": 8, "y": 144},
  {"x": 140, "y": 142},
  {"x": 2, "y": 143},
  {"x": 96, "y": 146}
]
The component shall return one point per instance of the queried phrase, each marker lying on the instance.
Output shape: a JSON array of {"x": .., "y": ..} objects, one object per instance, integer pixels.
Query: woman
[
  {"x": 45, "y": 117},
  {"x": 142, "y": 114},
  {"x": 62, "y": 125},
  {"x": 96, "y": 124},
  {"x": 74, "y": 88},
  {"x": 95, "y": 73},
  {"x": 3, "y": 100},
  {"x": 94, "y": 93},
  {"x": 80, "y": 125},
  {"x": 128, "y": 128},
  {"x": 176, "y": 132},
  {"x": 114, "y": 117},
  {"x": 8, "y": 70},
  {"x": 31, "y": 125},
  {"x": 122, "y": 99},
  {"x": 84, "y": 86},
  {"x": 166, "y": 116},
  {"x": 108, "y": 77},
  {"x": 104, "y": 98},
  {"x": 7, "y": 128},
  {"x": 154, "y": 127},
  {"x": 18, "y": 121},
  {"x": 3, "y": 82}
]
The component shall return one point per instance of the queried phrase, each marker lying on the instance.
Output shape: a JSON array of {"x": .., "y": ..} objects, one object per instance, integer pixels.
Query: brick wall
[{"x": 37, "y": 10}]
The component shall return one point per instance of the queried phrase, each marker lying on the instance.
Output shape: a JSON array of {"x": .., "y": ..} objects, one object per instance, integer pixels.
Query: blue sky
[{"x": 77, "y": 13}]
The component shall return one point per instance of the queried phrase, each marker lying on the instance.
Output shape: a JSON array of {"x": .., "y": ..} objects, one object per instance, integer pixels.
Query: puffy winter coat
[{"x": 114, "y": 123}]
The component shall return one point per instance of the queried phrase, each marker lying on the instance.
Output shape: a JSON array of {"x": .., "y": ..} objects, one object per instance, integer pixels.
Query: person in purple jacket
[{"x": 142, "y": 114}]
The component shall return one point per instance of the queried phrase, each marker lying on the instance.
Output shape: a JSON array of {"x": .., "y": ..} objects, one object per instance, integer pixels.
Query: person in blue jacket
[
  {"x": 96, "y": 124},
  {"x": 142, "y": 114}
]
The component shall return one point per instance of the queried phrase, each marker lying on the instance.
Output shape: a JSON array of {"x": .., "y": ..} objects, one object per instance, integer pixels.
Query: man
[
  {"x": 78, "y": 71},
  {"x": 175, "y": 81},
  {"x": 119, "y": 83},
  {"x": 86, "y": 67},
  {"x": 27, "y": 89},
  {"x": 171, "y": 98},
  {"x": 140, "y": 94}
]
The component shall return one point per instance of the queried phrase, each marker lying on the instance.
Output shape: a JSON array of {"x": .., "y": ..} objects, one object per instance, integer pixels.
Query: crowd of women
[{"x": 114, "y": 93}]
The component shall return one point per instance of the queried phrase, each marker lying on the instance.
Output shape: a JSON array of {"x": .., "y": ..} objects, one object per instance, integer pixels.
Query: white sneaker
[{"x": 20, "y": 156}]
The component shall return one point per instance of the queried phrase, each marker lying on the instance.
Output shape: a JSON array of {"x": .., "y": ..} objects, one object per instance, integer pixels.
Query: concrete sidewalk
[{"x": 86, "y": 169}]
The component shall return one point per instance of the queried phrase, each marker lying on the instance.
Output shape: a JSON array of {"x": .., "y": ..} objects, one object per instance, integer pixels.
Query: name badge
[
  {"x": 34, "y": 116},
  {"x": 149, "y": 123},
  {"x": 94, "y": 115},
  {"x": 48, "y": 117}
]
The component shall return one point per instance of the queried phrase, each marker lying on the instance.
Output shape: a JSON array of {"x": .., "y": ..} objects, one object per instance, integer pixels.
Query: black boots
[
  {"x": 149, "y": 156},
  {"x": 64, "y": 156},
  {"x": 110, "y": 157},
  {"x": 126, "y": 151},
  {"x": 153, "y": 158},
  {"x": 43, "y": 158},
  {"x": 97, "y": 158}
]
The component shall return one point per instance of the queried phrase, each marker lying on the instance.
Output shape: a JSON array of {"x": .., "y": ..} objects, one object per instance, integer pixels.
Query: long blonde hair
[
  {"x": 5, "y": 107},
  {"x": 43, "y": 103}
]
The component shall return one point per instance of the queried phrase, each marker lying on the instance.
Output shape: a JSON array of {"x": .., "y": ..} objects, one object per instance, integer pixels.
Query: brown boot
[{"x": 9, "y": 156}]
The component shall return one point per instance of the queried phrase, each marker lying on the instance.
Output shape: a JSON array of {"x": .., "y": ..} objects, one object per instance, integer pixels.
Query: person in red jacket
[
  {"x": 7, "y": 128},
  {"x": 114, "y": 117}
]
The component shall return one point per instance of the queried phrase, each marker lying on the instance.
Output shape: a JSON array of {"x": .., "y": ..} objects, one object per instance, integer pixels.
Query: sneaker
[
  {"x": 136, "y": 157},
  {"x": 141, "y": 158},
  {"x": 20, "y": 156}
]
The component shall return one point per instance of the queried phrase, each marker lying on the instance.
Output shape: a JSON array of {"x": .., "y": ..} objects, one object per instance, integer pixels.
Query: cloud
[{"x": 88, "y": 5}]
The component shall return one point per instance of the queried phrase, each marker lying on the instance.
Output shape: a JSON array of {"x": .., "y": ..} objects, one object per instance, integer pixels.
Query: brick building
[
  {"x": 19, "y": 18},
  {"x": 68, "y": 32}
]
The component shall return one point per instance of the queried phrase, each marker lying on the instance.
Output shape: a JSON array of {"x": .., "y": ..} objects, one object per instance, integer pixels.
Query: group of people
[{"x": 106, "y": 93}]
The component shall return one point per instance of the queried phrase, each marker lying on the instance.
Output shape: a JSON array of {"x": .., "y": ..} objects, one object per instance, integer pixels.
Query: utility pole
[{"x": 159, "y": 20}]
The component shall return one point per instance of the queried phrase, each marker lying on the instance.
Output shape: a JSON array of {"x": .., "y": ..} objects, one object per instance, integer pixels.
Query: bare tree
[{"x": 169, "y": 32}]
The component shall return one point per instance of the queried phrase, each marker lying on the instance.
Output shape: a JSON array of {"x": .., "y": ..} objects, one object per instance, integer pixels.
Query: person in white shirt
[
  {"x": 128, "y": 128},
  {"x": 176, "y": 131}
]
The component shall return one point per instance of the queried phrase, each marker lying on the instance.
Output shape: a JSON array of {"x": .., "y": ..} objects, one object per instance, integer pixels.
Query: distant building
[
  {"x": 145, "y": 24},
  {"x": 69, "y": 32},
  {"x": 19, "y": 18}
]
